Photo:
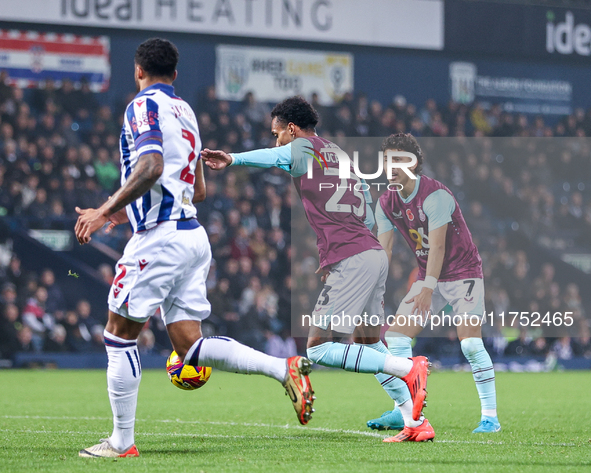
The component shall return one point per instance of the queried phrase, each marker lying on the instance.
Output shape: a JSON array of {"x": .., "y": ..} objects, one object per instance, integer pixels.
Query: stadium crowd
[{"x": 59, "y": 149}]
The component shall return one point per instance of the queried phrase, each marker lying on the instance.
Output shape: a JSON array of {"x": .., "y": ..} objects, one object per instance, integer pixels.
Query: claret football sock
[
  {"x": 395, "y": 387},
  {"x": 124, "y": 373},
  {"x": 483, "y": 373},
  {"x": 358, "y": 358},
  {"x": 227, "y": 354}
]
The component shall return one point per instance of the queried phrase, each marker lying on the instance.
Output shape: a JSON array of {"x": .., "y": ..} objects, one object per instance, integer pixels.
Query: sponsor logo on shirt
[
  {"x": 421, "y": 240},
  {"x": 397, "y": 214}
]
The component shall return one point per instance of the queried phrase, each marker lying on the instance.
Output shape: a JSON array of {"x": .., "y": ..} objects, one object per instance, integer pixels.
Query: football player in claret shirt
[
  {"x": 354, "y": 263},
  {"x": 428, "y": 217}
]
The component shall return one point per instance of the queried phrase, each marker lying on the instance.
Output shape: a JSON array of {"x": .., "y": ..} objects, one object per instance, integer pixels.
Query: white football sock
[
  {"x": 397, "y": 366},
  {"x": 227, "y": 354},
  {"x": 124, "y": 373},
  {"x": 406, "y": 410}
]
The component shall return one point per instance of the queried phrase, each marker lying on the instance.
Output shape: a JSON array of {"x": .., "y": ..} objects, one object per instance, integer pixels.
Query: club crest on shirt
[
  {"x": 409, "y": 215},
  {"x": 397, "y": 214},
  {"x": 422, "y": 216}
]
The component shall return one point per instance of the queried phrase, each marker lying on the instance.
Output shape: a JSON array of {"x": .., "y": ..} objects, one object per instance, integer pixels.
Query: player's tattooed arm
[
  {"x": 386, "y": 239},
  {"x": 145, "y": 174},
  {"x": 199, "y": 190}
]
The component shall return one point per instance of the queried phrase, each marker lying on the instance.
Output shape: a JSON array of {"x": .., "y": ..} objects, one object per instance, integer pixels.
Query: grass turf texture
[{"x": 246, "y": 423}]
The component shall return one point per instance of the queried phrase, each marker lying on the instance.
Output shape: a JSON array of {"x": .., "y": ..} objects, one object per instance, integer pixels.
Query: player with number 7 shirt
[
  {"x": 428, "y": 217},
  {"x": 353, "y": 263}
]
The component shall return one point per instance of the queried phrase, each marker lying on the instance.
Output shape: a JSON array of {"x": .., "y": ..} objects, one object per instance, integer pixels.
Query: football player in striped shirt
[{"x": 166, "y": 262}]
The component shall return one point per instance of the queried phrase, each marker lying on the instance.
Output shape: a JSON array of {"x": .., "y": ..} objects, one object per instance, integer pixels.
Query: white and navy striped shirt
[{"x": 157, "y": 121}]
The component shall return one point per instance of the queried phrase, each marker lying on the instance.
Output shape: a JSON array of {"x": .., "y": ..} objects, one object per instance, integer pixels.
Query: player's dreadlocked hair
[
  {"x": 405, "y": 142},
  {"x": 158, "y": 57},
  {"x": 297, "y": 111}
]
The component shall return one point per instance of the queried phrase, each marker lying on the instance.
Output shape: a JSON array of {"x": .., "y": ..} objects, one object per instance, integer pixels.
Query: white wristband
[
  {"x": 430, "y": 282},
  {"x": 231, "y": 162}
]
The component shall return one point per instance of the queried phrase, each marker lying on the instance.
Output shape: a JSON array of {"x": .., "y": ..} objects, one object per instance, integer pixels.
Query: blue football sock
[
  {"x": 395, "y": 387},
  {"x": 399, "y": 345},
  {"x": 358, "y": 358},
  {"x": 483, "y": 373}
]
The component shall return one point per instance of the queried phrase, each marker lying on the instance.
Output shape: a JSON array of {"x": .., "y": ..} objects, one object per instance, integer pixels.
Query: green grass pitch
[{"x": 246, "y": 423}]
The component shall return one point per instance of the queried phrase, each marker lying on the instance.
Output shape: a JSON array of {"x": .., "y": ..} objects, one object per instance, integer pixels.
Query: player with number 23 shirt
[{"x": 353, "y": 262}]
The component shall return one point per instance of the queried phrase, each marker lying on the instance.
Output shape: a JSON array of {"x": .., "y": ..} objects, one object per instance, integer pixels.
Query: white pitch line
[
  {"x": 147, "y": 434},
  {"x": 235, "y": 424},
  {"x": 287, "y": 426}
]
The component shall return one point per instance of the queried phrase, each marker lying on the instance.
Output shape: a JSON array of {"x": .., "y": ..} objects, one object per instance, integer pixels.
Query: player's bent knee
[
  {"x": 122, "y": 327},
  {"x": 183, "y": 334}
]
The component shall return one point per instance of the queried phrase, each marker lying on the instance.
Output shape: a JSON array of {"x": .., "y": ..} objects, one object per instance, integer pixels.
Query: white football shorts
[
  {"x": 165, "y": 266},
  {"x": 354, "y": 286},
  {"x": 466, "y": 297}
]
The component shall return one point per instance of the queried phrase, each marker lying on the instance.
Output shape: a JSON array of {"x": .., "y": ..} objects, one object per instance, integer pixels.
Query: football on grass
[{"x": 185, "y": 376}]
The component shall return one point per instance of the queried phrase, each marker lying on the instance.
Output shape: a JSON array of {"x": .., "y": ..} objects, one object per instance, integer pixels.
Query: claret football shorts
[{"x": 165, "y": 266}]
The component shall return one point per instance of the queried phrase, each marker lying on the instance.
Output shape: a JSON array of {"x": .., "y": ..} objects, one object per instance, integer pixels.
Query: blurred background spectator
[{"x": 59, "y": 150}]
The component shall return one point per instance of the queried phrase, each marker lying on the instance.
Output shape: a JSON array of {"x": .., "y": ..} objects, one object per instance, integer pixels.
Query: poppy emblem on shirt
[{"x": 409, "y": 215}]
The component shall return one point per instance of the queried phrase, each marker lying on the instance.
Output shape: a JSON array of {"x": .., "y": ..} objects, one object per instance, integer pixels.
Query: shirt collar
[
  {"x": 167, "y": 89},
  {"x": 413, "y": 193}
]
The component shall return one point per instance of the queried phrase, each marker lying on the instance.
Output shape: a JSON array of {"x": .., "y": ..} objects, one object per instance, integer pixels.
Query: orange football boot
[
  {"x": 416, "y": 381},
  {"x": 422, "y": 433}
]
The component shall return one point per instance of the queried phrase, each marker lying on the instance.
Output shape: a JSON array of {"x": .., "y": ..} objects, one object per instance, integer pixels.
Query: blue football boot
[
  {"x": 488, "y": 425},
  {"x": 390, "y": 420}
]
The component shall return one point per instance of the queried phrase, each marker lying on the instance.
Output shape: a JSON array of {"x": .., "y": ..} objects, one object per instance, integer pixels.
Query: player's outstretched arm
[
  {"x": 216, "y": 159},
  {"x": 145, "y": 174},
  {"x": 280, "y": 156}
]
